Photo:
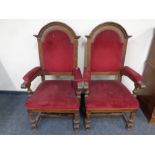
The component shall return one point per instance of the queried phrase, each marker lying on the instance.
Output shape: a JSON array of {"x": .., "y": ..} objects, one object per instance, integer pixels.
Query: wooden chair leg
[
  {"x": 87, "y": 120},
  {"x": 76, "y": 121},
  {"x": 131, "y": 120},
  {"x": 34, "y": 118}
]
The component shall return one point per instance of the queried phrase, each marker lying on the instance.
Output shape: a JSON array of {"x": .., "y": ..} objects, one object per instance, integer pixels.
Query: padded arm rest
[
  {"x": 87, "y": 74},
  {"x": 77, "y": 75},
  {"x": 32, "y": 74},
  {"x": 29, "y": 77},
  {"x": 133, "y": 75}
]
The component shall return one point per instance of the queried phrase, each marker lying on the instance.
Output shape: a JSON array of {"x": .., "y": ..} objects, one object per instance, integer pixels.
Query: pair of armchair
[{"x": 105, "y": 54}]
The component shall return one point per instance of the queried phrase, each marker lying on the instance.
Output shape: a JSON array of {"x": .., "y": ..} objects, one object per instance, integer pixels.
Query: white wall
[{"x": 19, "y": 53}]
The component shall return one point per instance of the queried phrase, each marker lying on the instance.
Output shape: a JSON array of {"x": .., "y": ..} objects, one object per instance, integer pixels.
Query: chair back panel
[
  {"x": 58, "y": 52},
  {"x": 106, "y": 52},
  {"x": 57, "y": 48},
  {"x": 106, "y": 48}
]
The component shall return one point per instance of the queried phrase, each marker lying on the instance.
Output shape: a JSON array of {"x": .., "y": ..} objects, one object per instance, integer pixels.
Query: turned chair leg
[
  {"x": 76, "y": 121},
  {"x": 87, "y": 120},
  {"x": 34, "y": 118},
  {"x": 131, "y": 120}
]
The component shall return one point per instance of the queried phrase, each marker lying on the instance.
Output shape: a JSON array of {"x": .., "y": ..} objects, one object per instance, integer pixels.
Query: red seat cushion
[
  {"x": 110, "y": 95},
  {"x": 53, "y": 94}
]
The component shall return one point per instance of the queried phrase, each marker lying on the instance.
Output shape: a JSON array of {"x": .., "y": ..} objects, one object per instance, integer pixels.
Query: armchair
[
  {"x": 57, "y": 44},
  {"x": 105, "y": 55}
]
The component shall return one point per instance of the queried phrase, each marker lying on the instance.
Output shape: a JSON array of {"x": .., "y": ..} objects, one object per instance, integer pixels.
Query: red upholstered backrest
[
  {"x": 106, "y": 52},
  {"x": 57, "y": 52}
]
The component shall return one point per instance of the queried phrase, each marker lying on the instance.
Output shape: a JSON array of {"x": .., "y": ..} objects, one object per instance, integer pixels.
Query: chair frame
[
  {"x": 124, "y": 38},
  {"x": 35, "y": 114}
]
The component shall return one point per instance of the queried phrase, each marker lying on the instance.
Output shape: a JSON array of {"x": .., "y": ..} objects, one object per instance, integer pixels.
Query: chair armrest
[
  {"x": 77, "y": 75},
  {"x": 30, "y": 76},
  {"x": 133, "y": 75},
  {"x": 87, "y": 74}
]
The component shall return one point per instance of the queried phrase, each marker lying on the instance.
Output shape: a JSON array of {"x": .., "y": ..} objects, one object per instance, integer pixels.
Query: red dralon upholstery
[
  {"x": 110, "y": 95},
  {"x": 77, "y": 75},
  {"x": 106, "y": 52},
  {"x": 133, "y": 75},
  {"x": 58, "y": 52},
  {"x": 32, "y": 74},
  {"x": 52, "y": 95}
]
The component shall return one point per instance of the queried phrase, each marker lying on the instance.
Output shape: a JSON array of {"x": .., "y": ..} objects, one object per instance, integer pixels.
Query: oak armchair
[
  {"x": 105, "y": 55},
  {"x": 57, "y": 45}
]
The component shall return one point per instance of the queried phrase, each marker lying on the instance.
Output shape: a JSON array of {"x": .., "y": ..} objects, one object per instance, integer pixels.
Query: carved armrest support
[
  {"x": 86, "y": 79},
  {"x": 79, "y": 89},
  {"x": 80, "y": 85},
  {"x": 78, "y": 81},
  {"x": 138, "y": 86},
  {"x": 86, "y": 88},
  {"x": 27, "y": 85}
]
